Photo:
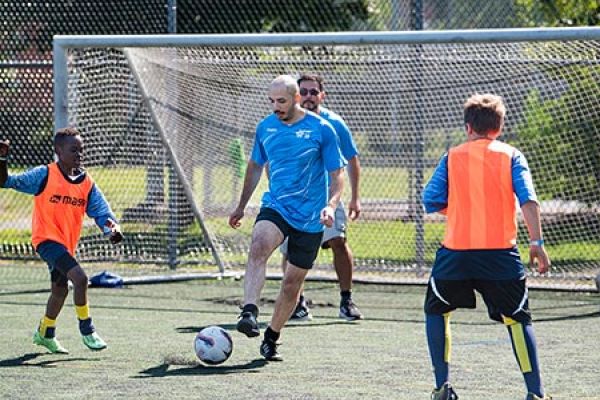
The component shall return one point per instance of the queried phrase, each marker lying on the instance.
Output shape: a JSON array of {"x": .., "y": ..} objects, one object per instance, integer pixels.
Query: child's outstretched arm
[{"x": 31, "y": 181}]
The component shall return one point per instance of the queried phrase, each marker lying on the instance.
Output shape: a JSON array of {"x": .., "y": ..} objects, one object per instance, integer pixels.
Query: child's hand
[
  {"x": 116, "y": 236},
  {"x": 114, "y": 231}
]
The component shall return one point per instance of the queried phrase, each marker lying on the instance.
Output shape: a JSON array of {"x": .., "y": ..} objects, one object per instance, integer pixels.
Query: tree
[
  {"x": 565, "y": 133},
  {"x": 247, "y": 16},
  {"x": 563, "y": 130},
  {"x": 559, "y": 12}
]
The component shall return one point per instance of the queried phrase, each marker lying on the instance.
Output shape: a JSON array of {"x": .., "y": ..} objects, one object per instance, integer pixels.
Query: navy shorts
[
  {"x": 59, "y": 261},
  {"x": 498, "y": 275},
  {"x": 303, "y": 247}
]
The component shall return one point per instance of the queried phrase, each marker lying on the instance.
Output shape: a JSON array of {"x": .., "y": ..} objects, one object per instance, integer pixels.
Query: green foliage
[
  {"x": 233, "y": 16},
  {"x": 564, "y": 133},
  {"x": 558, "y": 12}
]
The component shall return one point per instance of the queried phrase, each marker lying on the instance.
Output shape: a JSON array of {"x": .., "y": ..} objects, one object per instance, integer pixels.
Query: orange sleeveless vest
[
  {"x": 482, "y": 210},
  {"x": 59, "y": 210}
]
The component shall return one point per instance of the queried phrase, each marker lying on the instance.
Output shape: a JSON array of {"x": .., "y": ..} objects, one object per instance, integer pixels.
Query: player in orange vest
[
  {"x": 64, "y": 193},
  {"x": 477, "y": 184}
]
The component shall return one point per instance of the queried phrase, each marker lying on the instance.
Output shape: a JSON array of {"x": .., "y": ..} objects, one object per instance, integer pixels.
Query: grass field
[{"x": 150, "y": 329}]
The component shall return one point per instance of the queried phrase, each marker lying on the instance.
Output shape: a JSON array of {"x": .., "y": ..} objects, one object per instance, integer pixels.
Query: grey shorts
[{"x": 338, "y": 230}]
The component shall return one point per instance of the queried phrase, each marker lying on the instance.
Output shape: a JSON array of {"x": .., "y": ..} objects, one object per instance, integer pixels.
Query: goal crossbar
[{"x": 401, "y": 94}]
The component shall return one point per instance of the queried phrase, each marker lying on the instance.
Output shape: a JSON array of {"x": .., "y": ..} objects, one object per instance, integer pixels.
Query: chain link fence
[
  {"x": 26, "y": 93},
  {"x": 28, "y": 28}
]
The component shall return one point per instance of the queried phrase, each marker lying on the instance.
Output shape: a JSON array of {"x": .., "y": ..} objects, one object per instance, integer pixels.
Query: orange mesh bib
[
  {"x": 482, "y": 212},
  {"x": 59, "y": 210}
]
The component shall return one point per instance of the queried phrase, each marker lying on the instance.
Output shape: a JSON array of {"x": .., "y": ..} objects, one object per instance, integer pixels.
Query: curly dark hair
[{"x": 62, "y": 133}]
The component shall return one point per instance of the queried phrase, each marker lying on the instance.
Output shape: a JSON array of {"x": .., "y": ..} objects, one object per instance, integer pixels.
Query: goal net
[{"x": 169, "y": 122}]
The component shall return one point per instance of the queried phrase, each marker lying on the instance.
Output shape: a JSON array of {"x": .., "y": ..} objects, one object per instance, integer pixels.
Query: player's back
[{"x": 481, "y": 201}]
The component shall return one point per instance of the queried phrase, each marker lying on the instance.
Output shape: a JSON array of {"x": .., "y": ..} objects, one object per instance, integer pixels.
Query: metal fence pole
[
  {"x": 419, "y": 150},
  {"x": 173, "y": 211}
]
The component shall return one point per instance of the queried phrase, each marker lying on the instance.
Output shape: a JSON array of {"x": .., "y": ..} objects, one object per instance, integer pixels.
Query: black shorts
[
  {"x": 506, "y": 298},
  {"x": 59, "y": 261},
  {"x": 303, "y": 247}
]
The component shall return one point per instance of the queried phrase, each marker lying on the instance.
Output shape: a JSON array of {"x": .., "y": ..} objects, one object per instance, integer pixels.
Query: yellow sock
[
  {"x": 46, "y": 323},
  {"x": 83, "y": 312}
]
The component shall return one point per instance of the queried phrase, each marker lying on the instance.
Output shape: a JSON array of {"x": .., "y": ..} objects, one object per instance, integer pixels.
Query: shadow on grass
[
  {"x": 595, "y": 314},
  {"x": 24, "y": 361},
  {"x": 24, "y": 291},
  {"x": 263, "y": 326},
  {"x": 164, "y": 370}
]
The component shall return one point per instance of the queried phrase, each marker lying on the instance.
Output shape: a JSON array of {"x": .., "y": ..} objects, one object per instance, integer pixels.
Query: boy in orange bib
[{"x": 63, "y": 193}]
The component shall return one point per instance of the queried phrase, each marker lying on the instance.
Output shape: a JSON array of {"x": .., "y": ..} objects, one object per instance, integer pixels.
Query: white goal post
[{"x": 175, "y": 115}]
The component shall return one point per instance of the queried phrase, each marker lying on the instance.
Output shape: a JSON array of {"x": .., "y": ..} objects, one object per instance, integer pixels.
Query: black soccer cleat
[
  {"x": 248, "y": 325},
  {"x": 444, "y": 393},
  {"x": 349, "y": 311},
  {"x": 301, "y": 313},
  {"x": 268, "y": 349},
  {"x": 531, "y": 396}
]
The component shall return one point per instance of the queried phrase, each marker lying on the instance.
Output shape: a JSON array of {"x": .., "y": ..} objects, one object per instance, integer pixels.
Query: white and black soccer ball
[{"x": 213, "y": 345}]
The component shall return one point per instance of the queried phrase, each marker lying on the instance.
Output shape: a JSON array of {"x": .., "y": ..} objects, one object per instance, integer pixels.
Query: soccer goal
[{"x": 169, "y": 121}]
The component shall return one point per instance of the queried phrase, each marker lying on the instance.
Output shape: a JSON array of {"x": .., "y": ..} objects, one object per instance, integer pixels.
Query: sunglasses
[{"x": 305, "y": 92}]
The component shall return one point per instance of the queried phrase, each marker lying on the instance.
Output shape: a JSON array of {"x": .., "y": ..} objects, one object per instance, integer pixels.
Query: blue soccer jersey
[
  {"x": 347, "y": 144},
  {"x": 300, "y": 156}
]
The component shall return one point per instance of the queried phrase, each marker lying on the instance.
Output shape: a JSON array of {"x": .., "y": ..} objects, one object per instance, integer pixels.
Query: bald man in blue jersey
[{"x": 301, "y": 148}]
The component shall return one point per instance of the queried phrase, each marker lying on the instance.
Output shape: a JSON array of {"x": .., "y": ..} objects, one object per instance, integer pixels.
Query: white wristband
[{"x": 539, "y": 242}]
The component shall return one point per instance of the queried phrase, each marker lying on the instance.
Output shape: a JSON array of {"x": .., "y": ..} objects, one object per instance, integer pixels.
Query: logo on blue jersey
[{"x": 303, "y": 133}]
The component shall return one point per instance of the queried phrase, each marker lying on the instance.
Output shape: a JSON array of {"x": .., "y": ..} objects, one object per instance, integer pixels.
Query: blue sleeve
[
  {"x": 98, "y": 208},
  {"x": 29, "y": 182},
  {"x": 330, "y": 148},
  {"x": 258, "y": 154},
  {"x": 347, "y": 144},
  {"x": 521, "y": 178},
  {"x": 435, "y": 195}
]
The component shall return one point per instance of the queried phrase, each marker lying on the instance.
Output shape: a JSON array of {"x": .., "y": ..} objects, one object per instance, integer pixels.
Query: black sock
[
  {"x": 301, "y": 298},
  {"x": 271, "y": 335},
  {"x": 346, "y": 295},
  {"x": 252, "y": 308},
  {"x": 50, "y": 332}
]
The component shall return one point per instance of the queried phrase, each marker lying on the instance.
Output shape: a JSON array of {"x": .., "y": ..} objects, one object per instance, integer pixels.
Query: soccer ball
[{"x": 213, "y": 345}]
